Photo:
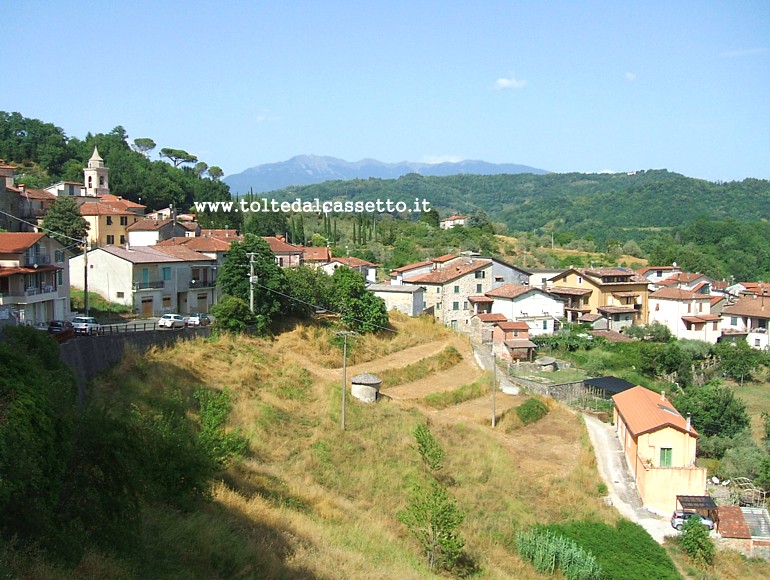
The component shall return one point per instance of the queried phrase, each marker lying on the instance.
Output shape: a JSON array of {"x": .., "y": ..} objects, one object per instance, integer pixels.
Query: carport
[{"x": 703, "y": 504}]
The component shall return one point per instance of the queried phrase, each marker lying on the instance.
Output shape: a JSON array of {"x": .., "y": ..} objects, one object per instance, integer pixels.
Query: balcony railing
[
  {"x": 149, "y": 285},
  {"x": 40, "y": 260},
  {"x": 42, "y": 290},
  {"x": 202, "y": 283}
]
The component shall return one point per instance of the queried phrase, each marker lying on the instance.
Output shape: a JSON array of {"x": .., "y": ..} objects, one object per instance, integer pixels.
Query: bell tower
[{"x": 96, "y": 176}]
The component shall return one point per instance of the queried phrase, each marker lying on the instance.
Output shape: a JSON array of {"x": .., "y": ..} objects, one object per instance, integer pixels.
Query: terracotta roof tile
[
  {"x": 492, "y": 317},
  {"x": 515, "y": 325},
  {"x": 17, "y": 242},
  {"x": 450, "y": 273},
  {"x": 278, "y": 246},
  {"x": 732, "y": 524},
  {"x": 752, "y": 305},
  {"x": 509, "y": 291},
  {"x": 644, "y": 411},
  {"x": 672, "y": 293},
  {"x": 412, "y": 266}
]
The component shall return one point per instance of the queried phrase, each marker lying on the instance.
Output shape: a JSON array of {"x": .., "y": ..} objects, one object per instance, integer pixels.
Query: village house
[
  {"x": 364, "y": 267},
  {"x": 148, "y": 231},
  {"x": 749, "y": 317},
  {"x": 9, "y": 199},
  {"x": 315, "y": 256},
  {"x": 404, "y": 298},
  {"x": 618, "y": 294},
  {"x": 659, "y": 446},
  {"x": 34, "y": 279},
  {"x": 692, "y": 281},
  {"x": 685, "y": 313},
  {"x": 214, "y": 248},
  {"x": 541, "y": 311},
  {"x": 450, "y": 222},
  {"x": 656, "y": 274},
  {"x": 541, "y": 277},
  {"x": 34, "y": 204},
  {"x": 510, "y": 341},
  {"x": 152, "y": 280},
  {"x": 286, "y": 255}
]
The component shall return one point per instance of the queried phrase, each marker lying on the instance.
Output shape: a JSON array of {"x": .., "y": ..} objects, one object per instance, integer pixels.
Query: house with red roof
[
  {"x": 685, "y": 313},
  {"x": 510, "y": 341},
  {"x": 366, "y": 268},
  {"x": 454, "y": 221},
  {"x": 34, "y": 279},
  {"x": 749, "y": 317},
  {"x": 540, "y": 310},
  {"x": 286, "y": 255},
  {"x": 659, "y": 446}
]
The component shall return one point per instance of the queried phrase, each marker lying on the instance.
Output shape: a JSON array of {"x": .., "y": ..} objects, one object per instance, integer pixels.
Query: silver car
[
  {"x": 172, "y": 321},
  {"x": 681, "y": 516}
]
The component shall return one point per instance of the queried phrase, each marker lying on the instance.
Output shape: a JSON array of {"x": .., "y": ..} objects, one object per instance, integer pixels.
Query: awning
[{"x": 696, "y": 502}]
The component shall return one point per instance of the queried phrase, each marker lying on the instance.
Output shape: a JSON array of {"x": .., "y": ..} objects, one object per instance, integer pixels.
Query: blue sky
[{"x": 562, "y": 86}]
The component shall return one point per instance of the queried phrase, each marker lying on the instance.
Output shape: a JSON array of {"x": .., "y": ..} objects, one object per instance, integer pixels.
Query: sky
[{"x": 564, "y": 86}]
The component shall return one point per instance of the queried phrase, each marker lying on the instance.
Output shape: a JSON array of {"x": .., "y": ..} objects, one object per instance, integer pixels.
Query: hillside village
[{"x": 163, "y": 262}]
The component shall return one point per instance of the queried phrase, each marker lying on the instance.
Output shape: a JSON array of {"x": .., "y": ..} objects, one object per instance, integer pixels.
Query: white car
[
  {"x": 172, "y": 321},
  {"x": 85, "y": 325}
]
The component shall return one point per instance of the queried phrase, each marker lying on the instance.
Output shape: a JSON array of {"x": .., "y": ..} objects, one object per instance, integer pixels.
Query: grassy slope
[{"x": 312, "y": 500}]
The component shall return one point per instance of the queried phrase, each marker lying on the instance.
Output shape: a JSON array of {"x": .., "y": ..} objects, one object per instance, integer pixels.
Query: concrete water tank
[{"x": 365, "y": 387}]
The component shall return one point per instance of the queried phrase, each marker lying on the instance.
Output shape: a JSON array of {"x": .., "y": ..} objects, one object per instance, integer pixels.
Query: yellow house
[
  {"x": 659, "y": 446},
  {"x": 618, "y": 294},
  {"x": 108, "y": 217}
]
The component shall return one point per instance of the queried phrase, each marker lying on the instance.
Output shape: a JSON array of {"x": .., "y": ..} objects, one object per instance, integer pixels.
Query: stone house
[{"x": 405, "y": 298}]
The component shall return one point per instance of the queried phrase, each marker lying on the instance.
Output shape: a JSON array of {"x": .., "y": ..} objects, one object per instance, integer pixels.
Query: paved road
[
  {"x": 620, "y": 484},
  {"x": 487, "y": 362}
]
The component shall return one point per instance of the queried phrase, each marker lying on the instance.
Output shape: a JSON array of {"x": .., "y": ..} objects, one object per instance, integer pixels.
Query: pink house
[{"x": 510, "y": 340}]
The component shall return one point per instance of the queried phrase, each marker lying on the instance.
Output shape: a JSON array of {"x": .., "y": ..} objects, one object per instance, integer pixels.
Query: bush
[
  {"x": 696, "y": 543},
  {"x": 531, "y": 410},
  {"x": 549, "y": 551}
]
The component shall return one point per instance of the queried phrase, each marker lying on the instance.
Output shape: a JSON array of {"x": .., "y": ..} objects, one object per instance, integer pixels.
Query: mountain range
[{"x": 311, "y": 169}]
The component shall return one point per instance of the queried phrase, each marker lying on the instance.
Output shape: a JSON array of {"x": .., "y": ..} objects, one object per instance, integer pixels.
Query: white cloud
[
  {"x": 745, "y": 52},
  {"x": 630, "y": 77},
  {"x": 512, "y": 82},
  {"x": 433, "y": 159},
  {"x": 264, "y": 116}
]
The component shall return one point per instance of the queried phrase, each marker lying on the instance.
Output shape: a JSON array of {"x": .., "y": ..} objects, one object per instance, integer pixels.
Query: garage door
[{"x": 147, "y": 307}]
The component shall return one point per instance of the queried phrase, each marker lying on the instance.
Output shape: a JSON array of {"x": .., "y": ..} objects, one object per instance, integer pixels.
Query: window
[
  {"x": 166, "y": 274},
  {"x": 545, "y": 325},
  {"x": 659, "y": 273},
  {"x": 438, "y": 305},
  {"x": 478, "y": 289},
  {"x": 457, "y": 289},
  {"x": 465, "y": 306},
  {"x": 438, "y": 290},
  {"x": 689, "y": 308},
  {"x": 756, "y": 343},
  {"x": 124, "y": 220},
  {"x": 121, "y": 294},
  {"x": 657, "y": 307},
  {"x": 580, "y": 279},
  {"x": 455, "y": 306},
  {"x": 109, "y": 220},
  {"x": 167, "y": 302},
  {"x": 110, "y": 240},
  {"x": 59, "y": 277},
  {"x": 733, "y": 321},
  {"x": 665, "y": 456},
  {"x": 122, "y": 239},
  {"x": 58, "y": 256},
  {"x": 715, "y": 326},
  {"x": 480, "y": 275}
]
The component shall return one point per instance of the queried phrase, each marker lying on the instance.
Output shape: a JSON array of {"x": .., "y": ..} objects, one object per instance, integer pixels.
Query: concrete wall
[{"x": 88, "y": 356}]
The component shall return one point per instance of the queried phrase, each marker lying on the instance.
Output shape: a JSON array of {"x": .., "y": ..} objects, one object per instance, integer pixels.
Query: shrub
[
  {"x": 531, "y": 410},
  {"x": 696, "y": 543}
]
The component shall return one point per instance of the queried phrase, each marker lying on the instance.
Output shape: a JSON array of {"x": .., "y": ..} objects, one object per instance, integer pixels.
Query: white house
[
  {"x": 404, "y": 298},
  {"x": 749, "y": 316},
  {"x": 540, "y": 310},
  {"x": 364, "y": 267},
  {"x": 453, "y": 221},
  {"x": 148, "y": 231},
  {"x": 34, "y": 279},
  {"x": 152, "y": 280},
  {"x": 541, "y": 277},
  {"x": 685, "y": 313}
]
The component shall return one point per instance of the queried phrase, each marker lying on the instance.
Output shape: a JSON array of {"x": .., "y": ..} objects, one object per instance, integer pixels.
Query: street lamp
[{"x": 344, "y": 334}]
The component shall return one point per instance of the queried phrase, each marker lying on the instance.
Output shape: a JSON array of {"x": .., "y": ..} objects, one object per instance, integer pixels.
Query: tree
[
  {"x": 359, "y": 309},
  {"x": 271, "y": 291},
  {"x": 215, "y": 172},
  {"x": 177, "y": 156},
  {"x": 309, "y": 287},
  {"x": 715, "y": 410},
  {"x": 738, "y": 359},
  {"x": 696, "y": 542},
  {"x": 430, "y": 450},
  {"x": 200, "y": 168},
  {"x": 231, "y": 313},
  {"x": 64, "y": 223},
  {"x": 431, "y": 217},
  {"x": 144, "y": 145}
]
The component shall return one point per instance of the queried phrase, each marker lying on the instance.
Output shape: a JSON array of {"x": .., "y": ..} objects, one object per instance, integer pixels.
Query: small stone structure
[{"x": 365, "y": 387}]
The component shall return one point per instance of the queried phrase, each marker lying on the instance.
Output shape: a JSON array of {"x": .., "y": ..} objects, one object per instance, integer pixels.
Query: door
[{"x": 147, "y": 307}]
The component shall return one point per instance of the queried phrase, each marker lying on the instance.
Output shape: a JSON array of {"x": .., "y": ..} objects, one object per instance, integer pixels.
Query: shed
[{"x": 365, "y": 387}]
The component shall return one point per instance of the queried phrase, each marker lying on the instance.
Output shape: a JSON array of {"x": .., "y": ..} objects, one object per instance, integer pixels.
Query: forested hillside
[{"x": 46, "y": 155}]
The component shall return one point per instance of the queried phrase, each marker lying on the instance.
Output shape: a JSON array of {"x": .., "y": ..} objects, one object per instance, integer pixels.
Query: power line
[{"x": 79, "y": 241}]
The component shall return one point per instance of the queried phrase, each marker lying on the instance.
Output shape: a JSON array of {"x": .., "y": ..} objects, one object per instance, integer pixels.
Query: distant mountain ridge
[{"x": 312, "y": 169}]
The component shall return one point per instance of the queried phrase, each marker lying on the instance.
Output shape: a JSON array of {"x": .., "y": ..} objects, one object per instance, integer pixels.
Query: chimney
[
  {"x": 663, "y": 395},
  {"x": 688, "y": 421},
  {"x": 22, "y": 188}
]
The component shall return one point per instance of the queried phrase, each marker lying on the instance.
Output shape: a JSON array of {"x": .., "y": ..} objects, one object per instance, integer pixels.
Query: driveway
[{"x": 612, "y": 467}]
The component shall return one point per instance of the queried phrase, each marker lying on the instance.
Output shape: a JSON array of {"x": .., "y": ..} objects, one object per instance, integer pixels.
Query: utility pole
[
  {"x": 344, "y": 334},
  {"x": 85, "y": 275},
  {"x": 494, "y": 389},
  {"x": 252, "y": 280}
]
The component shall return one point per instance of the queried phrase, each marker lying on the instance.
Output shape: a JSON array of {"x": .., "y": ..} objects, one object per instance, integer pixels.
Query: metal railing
[{"x": 149, "y": 285}]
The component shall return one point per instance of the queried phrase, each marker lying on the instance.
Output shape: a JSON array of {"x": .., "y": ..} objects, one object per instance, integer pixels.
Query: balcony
[
  {"x": 39, "y": 259},
  {"x": 157, "y": 284},
  {"x": 202, "y": 284}
]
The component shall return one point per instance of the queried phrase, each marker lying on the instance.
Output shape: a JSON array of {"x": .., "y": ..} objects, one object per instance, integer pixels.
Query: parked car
[
  {"x": 86, "y": 325},
  {"x": 681, "y": 516},
  {"x": 172, "y": 321},
  {"x": 198, "y": 319},
  {"x": 62, "y": 330}
]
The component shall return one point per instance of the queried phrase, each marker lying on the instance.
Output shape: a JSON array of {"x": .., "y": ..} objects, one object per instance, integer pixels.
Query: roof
[
  {"x": 487, "y": 317},
  {"x": 509, "y": 291},
  {"x": 732, "y": 524},
  {"x": 17, "y": 242},
  {"x": 699, "y": 318},
  {"x": 148, "y": 225},
  {"x": 117, "y": 199},
  {"x": 147, "y": 254},
  {"x": 412, "y": 266},
  {"x": 643, "y": 271},
  {"x": 184, "y": 253},
  {"x": 610, "y": 335},
  {"x": 569, "y": 291},
  {"x": 39, "y": 194},
  {"x": 625, "y": 294},
  {"x": 751, "y": 305},
  {"x": 617, "y": 309},
  {"x": 450, "y": 273},
  {"x": 756, "y": 288},
  {"x": 596, "y": 275},
  {"x": 27, "y": 270},
  {"x": 316, "y": 254},
  {"x": 104, "y": 208},
  {"x": 671, "y": 293},
  {"x": 645, "y": 411},
  {"x": 610, "y": 384},
  {"x": 696, "y": 502},
  {"x": 683, "y": 278},
  {"x": 225, "y": 234},
  {"x": 519, "y": 343},
  {"x": 445, "y": 258},
  {"x": 590, "y": 317},
  {"x": 353, "y": 262},
  {"x": 515, "y": 325},
  {"x": 366, "y": 379},
  {"x": 278, "y": 246},
  {"x": 454, "y": 218},
  {"x": 480, "y": 300},
  {"x": 397, "y": 288},
  {"x": 197, "y": 244}
]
